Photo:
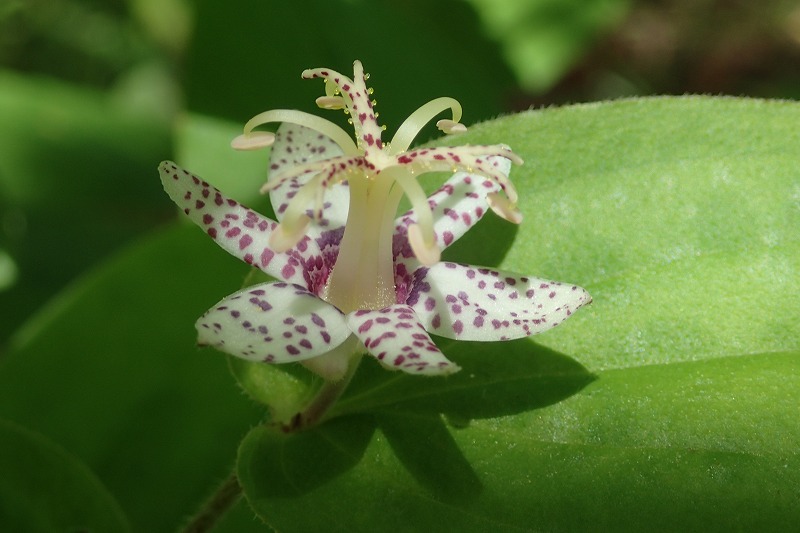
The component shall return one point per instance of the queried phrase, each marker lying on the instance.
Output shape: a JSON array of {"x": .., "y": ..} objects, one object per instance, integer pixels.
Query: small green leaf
[
  {"x": 44, "y": 489},
  {"x": 284, "y": 389}
]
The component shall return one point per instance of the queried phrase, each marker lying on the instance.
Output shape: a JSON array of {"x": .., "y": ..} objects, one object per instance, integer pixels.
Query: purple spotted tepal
[{"x": 357, "y": 279}]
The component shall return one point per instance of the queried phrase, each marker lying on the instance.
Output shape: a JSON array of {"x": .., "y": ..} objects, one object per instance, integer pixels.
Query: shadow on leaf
[
  {"x": 486, "y": 244},
  {"x": 425, "y": 447},
  {"x": 408, "y": 410},
  {"x": 274, "y": 464},
  {"x": 497, "y": 379}
]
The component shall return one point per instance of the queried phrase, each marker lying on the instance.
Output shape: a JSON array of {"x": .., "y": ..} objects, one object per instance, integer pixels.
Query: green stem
[
  {"x": 326, "y": 397},
  {"x": 230, "y": 491},
  {"x": 212, "y": 511}
]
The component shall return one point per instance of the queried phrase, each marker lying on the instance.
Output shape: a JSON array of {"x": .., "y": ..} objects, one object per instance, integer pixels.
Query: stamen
[
  {"x": 504, "y": 208},
  {"x": 288, "y": 233},
  {"x": 449, "y": 127},
  {"x": 427, "y": 253},
  {"x": 332, "y": 87},
  {"x": 307, "y": 168},
  {"x": 411, "y": 126},
  {"x": 330, "y": 102},
  {"x": 423, "y": 239},
  {"x": 255, "y": 140},
  {"x": 326, "y": 127},
  {"x": 471, "y": 159}
]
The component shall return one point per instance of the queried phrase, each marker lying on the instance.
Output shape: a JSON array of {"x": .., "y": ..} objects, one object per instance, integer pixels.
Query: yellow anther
[
  {"x": 449, "y": 126},
  {"x": 330, "y": 102},
  {"x": 504, "y": 208},
  {"x": 254, "y": 140}
]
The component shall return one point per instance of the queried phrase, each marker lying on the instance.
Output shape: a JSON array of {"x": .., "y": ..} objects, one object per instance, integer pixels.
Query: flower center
[
  {"x": 363, "y": 277},
  {"x": 378, "y": 175}
]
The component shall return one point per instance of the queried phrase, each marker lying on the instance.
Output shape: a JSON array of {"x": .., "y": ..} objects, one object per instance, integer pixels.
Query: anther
[
  {"x": 282, "y": 240},
  {"x": 504, "y": 208},
  {"x": 330, "y": 102},
  {"x": 255, "y": 140},
  {"x": 449, "y": 126},
  {"x": 427, "y": 253}
]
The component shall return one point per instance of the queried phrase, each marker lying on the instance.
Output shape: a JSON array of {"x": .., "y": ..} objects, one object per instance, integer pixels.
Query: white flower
[{"x": 359, "y": 280}]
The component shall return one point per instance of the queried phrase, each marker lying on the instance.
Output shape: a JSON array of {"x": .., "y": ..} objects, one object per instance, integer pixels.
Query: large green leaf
[
  {"x": 44, "y": 489},
  {"x": 680, "y": 216},
  {"x": 708, "y": 445},
  {"x": 110, "y": 372}
]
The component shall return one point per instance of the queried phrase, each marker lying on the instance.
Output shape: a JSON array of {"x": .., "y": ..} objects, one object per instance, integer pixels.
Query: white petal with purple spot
[
  {"x": 273, "y": 323},
  {"x": 396, "y": 338},
  {"x": 240, "y": 231},
  {"x": 469, "y": 303}
]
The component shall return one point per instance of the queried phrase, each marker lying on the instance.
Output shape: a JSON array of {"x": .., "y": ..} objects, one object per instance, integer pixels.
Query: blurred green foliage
[
  {"x": 94, "y": 93},
  {"x": 95, "y": 68}
]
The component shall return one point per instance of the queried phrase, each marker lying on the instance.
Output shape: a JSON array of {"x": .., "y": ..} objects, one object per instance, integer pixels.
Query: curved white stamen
[
  {"x": 288, "y": 233},
  {"x": 504, "y": 208},
  {"x": 254, "y": 140},
  {"x": 326, "y": 127},
  {"x": 427, "y": 254},
  {"x": 411, "y": 126},
  {"x": 428, "y": 160},
  {"x": 295, "y": 214},
  {"x": 450, "y": 127},
  {"x": 424, "y": 244}
]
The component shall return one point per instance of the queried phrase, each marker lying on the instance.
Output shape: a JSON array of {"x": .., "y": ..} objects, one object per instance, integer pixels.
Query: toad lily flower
[{"x": 357, "y": 279}]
